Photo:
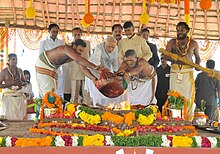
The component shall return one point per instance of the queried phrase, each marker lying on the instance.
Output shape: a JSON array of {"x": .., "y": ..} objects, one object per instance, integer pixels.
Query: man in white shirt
[
  {"x": 50, "y": 43},
  {"x": 105, "y": 54},
  {"x": 133, "y": 42}
]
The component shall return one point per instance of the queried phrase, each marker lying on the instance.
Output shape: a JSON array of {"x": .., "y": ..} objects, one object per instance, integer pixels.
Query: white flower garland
[
  {"x": 213, "y": 141},
  {"x": 75, "y": 140},
  {"x": 77, "y": 111},
  {"x": 109, "y": 141},
  {"x": 59, "y": 142},
  {"x": 8, "y": 141},
  {"x": 198, "y": 141},
  {"x": 165, "y": 141}
]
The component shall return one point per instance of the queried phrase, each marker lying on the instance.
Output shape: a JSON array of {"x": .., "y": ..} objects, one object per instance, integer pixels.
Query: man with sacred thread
[
  {"x": 50, "y": 60},
  {"x": 13, "y": 99},
  {"x": 141, "y": 78},
  {"x": 181, "y": 75}
]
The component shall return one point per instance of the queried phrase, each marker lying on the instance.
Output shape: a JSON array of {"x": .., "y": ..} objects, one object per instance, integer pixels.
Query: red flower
[
  {"x": 170, "y": 138},
  {"x": 206, "y": 143}
]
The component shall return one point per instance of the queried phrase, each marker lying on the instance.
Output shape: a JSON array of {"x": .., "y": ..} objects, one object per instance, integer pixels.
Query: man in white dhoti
[
  {"x": 181, "y": 75},
  {"x": 50, "y": 60},
  {"x": 105, "y": 54},
  {"x": 141, "y": 78},
  {"x": 13, "y": 99}
]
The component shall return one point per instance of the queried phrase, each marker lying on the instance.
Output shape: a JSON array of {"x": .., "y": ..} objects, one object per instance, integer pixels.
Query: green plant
[
  {"x": 177, "y": 103},
  {"x": 203, "y": 105},
  {"x": 202, "y": 108}
]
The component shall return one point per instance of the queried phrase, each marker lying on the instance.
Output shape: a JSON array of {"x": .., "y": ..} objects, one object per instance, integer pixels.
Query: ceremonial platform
[{"x": 20, "y": 129}]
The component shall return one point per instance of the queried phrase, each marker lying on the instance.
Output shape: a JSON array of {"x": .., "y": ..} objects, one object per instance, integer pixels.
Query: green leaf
[
  {"x": 80, "y": 141},
  {"x": 194, "y": 144},
  {"x": 119, "y": 140}
]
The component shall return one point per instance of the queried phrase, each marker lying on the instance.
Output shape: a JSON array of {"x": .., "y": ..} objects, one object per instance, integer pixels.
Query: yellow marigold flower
[
  {"x": 120, "y": 134},
  {"x": 128, "y": 132},
  {"x": 90, "y": 119},
  {"x": 96, "y": 140},
  {"x": 154, "y": 108},
  {"x": 182, "y": 141},
  {"x": 1, "y": 140},
  {"x": 160, "y": 126},
  {"x": 67, "y": 114},
  {"x": 143, "y": 120},
  {"x": 70, "y": 107},
  {"x": 165, "y": 117},
  {"x": 75, "y": 124}
]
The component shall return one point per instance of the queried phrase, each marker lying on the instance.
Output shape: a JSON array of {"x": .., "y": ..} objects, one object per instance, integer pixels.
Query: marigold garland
[
  {"x": 90, "y": 119},
  {"x": 129, "y": 117},
  {"x": 176, "y": 95},
  {"x": 126, "y": 132},
  {"x": 201, "y": 115},
  {"x": 95, "y": 140},
  {"x": 143, "y": 120},
  {"x": 34, "y": 142},
  {"x": 112, "y": 117},
  {"x": 183, "y": 53},
  {"x": 182, "y": 141},
  {"x": 47, "y": 104},
  {"x": 101, "y": 140}
]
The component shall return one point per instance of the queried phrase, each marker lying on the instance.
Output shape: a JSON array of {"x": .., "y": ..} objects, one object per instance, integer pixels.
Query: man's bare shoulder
[
  {"x": 20, "y": 70},
  {"x": 173, "y": 40},
  {"x": 193, "y": 41},
  {"x": 142, "y": 61},
  {"x": 4, "y": 70}
]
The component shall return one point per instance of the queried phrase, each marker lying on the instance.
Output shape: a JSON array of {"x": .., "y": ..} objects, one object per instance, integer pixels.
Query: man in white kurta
[
  {"x": 50, "y": 43},
  {"x": 105, "y": 54}
]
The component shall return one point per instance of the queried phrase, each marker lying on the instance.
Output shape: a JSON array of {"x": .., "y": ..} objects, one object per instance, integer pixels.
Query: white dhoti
[
  {"x": 143, "y": 93},
  {"x": 98, "y": 97},
  {"x": 46, "y": 76},
  {"x": 13, "y": 105},
  {"x": 182, "y": 80}
]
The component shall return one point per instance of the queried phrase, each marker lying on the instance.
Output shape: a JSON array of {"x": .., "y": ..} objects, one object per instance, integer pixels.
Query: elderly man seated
[
  {"x": 105, "y": 54},
  {"x": 141, "y": 78}
]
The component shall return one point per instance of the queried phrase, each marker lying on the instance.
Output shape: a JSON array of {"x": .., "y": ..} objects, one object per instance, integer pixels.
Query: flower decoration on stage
[
  {"x": 30, "y": 11},
  {"x": 51, "y": 100},
  {"x": 101, "y": 140},
  {"x": 144, "y": 18},
  {"x": 88, "y": 17},
  {"x": 176, "y": 100},
  {"x": 205, "y": 4},
  {"x": 145, "y": 116},
  {"x": 88, "y": 115}
]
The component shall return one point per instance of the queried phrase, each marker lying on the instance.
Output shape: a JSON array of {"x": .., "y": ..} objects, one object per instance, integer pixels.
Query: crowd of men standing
[{"x": 72, "y": 70}]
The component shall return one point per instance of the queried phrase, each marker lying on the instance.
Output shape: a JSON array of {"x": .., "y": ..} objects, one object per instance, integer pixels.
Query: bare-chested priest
[
  {"x": 50, "y": 60},
  {"x": 181, "y": 75},
  {"x": 141, "y": 78}
]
